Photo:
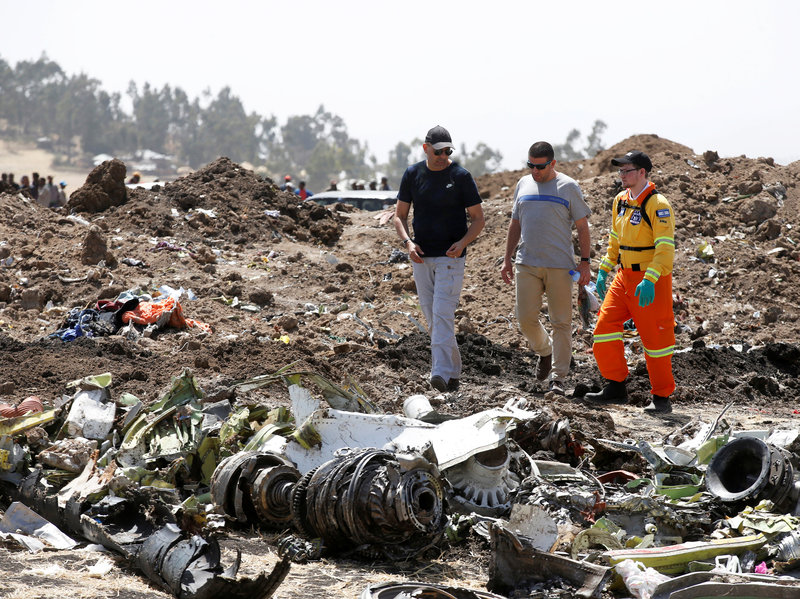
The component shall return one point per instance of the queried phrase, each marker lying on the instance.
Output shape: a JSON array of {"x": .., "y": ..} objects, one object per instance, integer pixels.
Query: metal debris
[
  {"x": 372, "y": 500},
  {"x": 748, "y": 470},
  {"x": 255, "y": 488},
  {"x": 407, "y": 590},
  {"x": 518, "y": 568}
]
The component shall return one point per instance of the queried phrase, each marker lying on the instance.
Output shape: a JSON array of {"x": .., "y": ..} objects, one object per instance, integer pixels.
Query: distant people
[
  {"x": 53, "y": 191},
  {"x": 303, "y": 192},
  {"x": 135, "y": 178},
  {"x": 11, "y": 183},
  {"x": 333, "y": 186},
  {"x": 46, "y": 192},
  {"x": 287, "y": 182},
  {"x": 26, "y": 186},
  {"x": 42, "y": 193},
  {"x": 62, "y": 193},
  {"x": 4, "y": 182},
  {"x": 35, "y": 186},
  {"x": 385, "y": 184},
  {"x": 443, "y": 194},
  {"x": 373, "y": 186},
  {"x": 42, "y": 184}
]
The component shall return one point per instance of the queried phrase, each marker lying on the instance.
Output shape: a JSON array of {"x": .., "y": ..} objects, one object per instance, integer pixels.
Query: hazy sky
[{"x": 710, "y": 74}]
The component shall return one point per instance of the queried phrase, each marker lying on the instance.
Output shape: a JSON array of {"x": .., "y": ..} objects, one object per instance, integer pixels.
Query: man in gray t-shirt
[{"x": 546, "y": 204}]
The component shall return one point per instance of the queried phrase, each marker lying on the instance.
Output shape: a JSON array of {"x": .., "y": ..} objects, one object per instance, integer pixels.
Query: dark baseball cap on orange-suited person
[
  {"x": 439, "y": 138},
  {"x": 636, "y": 158}
]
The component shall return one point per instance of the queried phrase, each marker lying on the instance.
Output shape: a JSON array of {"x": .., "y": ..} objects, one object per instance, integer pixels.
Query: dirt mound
[
  {"x": 220, "y": 201},
  {"x": 660, "y": 151},
  {"x": 104, "y": 187}
]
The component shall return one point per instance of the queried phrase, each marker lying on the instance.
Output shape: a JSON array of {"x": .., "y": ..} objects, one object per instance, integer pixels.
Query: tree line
[{"x": 38, "y": 99}]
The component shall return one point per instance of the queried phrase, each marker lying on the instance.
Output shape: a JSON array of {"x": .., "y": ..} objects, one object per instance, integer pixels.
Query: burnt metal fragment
[
  {"x": 254, "y": 487},
  {"x": 748, "y": 470},
  {"x": 517, "y": 568},
  {"x": 371, "y": 501},
  {"x": 138, "y": 527},
  {"x": 374, "y": 501}
]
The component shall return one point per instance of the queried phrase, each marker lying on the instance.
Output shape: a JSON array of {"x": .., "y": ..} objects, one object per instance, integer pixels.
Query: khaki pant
[{"x": 532, "y": 283}]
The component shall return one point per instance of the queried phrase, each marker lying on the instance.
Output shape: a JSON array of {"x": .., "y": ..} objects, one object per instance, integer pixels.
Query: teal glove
[
  {"x": 646, "y": 291},
  {"x": 601, "y": 284}
]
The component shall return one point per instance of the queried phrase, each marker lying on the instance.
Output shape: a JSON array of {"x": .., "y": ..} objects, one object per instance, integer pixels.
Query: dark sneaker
[
  {"x": 658, "y": 405},
  {"x": 543, "y": 367},
  {"x": 438, "y": 383},
  {"x": 613, "y": 391},
  {"x": 557, "y": 387},
  {"x": 453, "y": 384}
]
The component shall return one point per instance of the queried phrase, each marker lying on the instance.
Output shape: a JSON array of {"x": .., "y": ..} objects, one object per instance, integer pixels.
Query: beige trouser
[{"x": 532, "y": 282}]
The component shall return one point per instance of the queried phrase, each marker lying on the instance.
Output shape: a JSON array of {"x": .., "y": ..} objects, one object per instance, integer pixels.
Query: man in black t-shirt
[{"x": 443, "y": 194}]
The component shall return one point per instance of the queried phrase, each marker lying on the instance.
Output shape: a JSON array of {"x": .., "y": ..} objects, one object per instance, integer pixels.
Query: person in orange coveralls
[{"x": 642, "y": 243}]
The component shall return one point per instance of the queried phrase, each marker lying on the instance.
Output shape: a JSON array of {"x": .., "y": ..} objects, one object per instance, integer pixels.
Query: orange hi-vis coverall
[{"x": 643, "y": 252}]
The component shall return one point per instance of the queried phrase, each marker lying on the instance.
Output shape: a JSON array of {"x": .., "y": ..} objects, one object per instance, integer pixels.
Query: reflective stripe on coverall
[{"x": 656, "y": 322}]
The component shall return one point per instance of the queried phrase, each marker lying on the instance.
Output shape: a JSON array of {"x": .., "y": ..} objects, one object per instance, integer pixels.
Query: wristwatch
[
  {"x": 405, "y": 242},
  {"x": 584, "y": 259}
]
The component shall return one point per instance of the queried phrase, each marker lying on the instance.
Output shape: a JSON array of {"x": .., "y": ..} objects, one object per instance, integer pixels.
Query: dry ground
[{"x": 326, "y": 279}]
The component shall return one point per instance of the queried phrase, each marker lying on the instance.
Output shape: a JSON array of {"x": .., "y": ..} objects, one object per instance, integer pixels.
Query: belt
[
  {"x": 633, "y": 267},
  {"x": 633, "y": 248}
]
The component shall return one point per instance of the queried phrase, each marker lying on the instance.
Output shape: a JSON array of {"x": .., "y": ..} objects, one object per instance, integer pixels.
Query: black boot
[
  {"x": 614, "y": 391},
  {"x": 658, "y": 404}
]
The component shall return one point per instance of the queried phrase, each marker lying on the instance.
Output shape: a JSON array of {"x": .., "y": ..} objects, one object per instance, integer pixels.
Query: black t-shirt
[{"x": 440, "y": 200}]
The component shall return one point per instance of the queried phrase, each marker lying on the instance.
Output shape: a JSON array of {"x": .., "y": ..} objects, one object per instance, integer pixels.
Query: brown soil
[{"x": 327, "y": 280}]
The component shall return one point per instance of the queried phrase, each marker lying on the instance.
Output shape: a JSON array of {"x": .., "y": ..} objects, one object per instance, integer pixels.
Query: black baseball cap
[
  {"x": 439, "y": 138},
  {"x": 636, "y": 158}
]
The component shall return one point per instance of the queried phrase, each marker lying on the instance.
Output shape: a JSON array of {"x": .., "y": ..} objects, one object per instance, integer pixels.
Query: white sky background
[{"x": 710, "y": 74}]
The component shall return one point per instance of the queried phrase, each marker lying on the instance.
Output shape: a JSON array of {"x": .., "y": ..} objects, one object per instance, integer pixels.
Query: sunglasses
[
  {"x": 541, "y": 167},
  {"x": 622, "y": 173},
  {"x": 447, "y": 151}
]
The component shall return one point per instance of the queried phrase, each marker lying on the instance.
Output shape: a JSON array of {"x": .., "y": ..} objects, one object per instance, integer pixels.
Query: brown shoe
[{"x": 544, "y": 366}]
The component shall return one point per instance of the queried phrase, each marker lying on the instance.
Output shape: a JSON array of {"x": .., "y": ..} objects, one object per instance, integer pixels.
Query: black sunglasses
[
  {"x": 447, "y": 151},
  {"x": 541, "y": 167}
]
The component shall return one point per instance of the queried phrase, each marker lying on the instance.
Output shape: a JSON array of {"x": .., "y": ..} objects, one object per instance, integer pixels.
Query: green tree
[
  {"x": 184, "y": 128},
  {"x": 567, "y": 151},
  {"x": 152, "y": 115},
  {"x": 318, "y": 144},
  {"x": 399, "y": 159},
  {"x": 481, "y": 160},
  {"x": 594, "y": 144},
  {"x": 77, "y": 115},
  {"x": 29, "y": 92},
  {"x": 226, "y": 130}
]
